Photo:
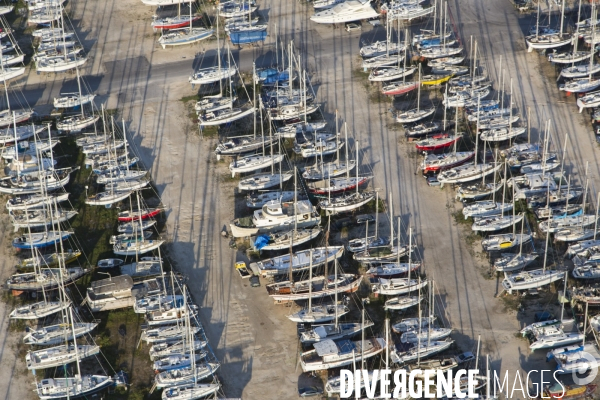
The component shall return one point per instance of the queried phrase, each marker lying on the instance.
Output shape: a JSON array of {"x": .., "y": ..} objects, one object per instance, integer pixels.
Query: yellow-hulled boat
[
  {"x": 435, "y": 79},
  {"x": 48, "y": 260}
]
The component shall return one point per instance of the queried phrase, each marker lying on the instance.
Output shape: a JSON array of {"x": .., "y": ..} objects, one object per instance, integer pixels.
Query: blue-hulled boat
[{"x": 39, "y": 240}]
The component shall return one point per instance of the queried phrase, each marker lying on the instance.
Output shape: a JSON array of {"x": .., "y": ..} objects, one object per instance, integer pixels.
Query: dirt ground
[{"x": 251, "y": 336}]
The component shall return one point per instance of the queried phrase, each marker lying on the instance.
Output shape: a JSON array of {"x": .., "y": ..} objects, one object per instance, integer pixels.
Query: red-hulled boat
[
  {"x": 135, "y": 215},
  {"x": 173, "y": 22},
  {"x": 440, "y": 162},
  {"x": 399, "y": 88},
  {"x": 336, "y": 185},
  {"x": 437, "y": 142}
]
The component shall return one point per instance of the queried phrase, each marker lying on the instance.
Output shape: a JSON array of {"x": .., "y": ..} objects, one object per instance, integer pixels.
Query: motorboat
[
  {"x": 348, "y": 11},
  {"x": 329, "y": 354},
  {"x": 301, "y": 261},
  {"x": 332, "y": 331},
  {"x": 276, "y": 216}
]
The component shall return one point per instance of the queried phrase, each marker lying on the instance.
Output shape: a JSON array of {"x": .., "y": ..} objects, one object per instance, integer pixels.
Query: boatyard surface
[{"x": 252, "y": 337}]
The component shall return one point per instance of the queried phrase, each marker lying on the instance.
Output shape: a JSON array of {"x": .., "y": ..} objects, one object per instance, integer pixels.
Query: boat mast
[
  {"x": 562, "y": 308},
  {"x": 445, "y": 13},
  {"x": 576, "y": 35},
  {"x": 562, "y": 21},
  {"x": 419, "y": 91},
  {"x": 362, "y": 345},
  {"x": 405, "y": 51},
  {"x": 547, "y": 228},
  {"x": 356, "y": 170},
  {"x": 477, "y": 131},
  {"x": 75, "y": 346},
  {"x": 335, "y": 303},
  {"x": 291, "y": 278},
  {"x": 568, "y": 191},
  {"x": 310, "y": 275},
  {"x": 398, "y": 258},
  {"x": 435, "y": 18},
  {"x": 377, "y": 215},
  {"x": 521, "y": 239},
  {"x": 254, "y": 101},
  {"x": 592, "y": 47},
  {"x": 596, "y": 219},
  {"x": 219, "y": 59},
  {"x": 419, "y": 336},
  {"x": 562, "y": 163},
  {"x": 347, "y": 158},
  {"x": 392, "y": 221},
  {"x": 510, "y": 106},
  {"x": 141, "y": 242},
  {"x": 291, "y": 67},
  {"x": 337, "y": 135},
  {"x": 79, "y": 87},
  {"x": 503, "y": 188},
  {"x": 445, "y": 107},
  {"x": 537, "y": 23}
]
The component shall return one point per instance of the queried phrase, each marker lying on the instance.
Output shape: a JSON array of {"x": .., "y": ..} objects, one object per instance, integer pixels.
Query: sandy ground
[
  {"x": 15, "y": 380},
  {"x": 250, "y": 335}
]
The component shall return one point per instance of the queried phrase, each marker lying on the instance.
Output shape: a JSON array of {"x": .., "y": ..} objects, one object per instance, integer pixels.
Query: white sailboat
[
  {"x": 182, "y": 36},
  {"x": 209, "y": 75}
]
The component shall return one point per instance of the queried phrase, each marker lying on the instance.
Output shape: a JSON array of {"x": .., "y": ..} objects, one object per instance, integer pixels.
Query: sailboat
[
  {"x": 59, "y": 356},
  {"x": 381, "y": 47},
  {"x": 77, "y": 386},
  {"x": 533, "y": 279},
  {"x": 209, "y": 75},
  {"x": 320, "y": 286},
  {"x": 70, "y": 100},
  {"x": 399, "y": 286},
  {"x": 384, "y": 253},
  {"x": 222, "y": 116},
  {"x": 137, "y": 247},
  {"x": 548, "y": 40},
  {"x": 178, "y": 21},
  {"x": 512, "y": 262},
  {"x": 38, "y": 310},
  {"x": 319, "y": 313},
  {"x": 346, "y": 202},
  {"x": 468, "y": 172},
  {"x": 187, "y": 35},
  {"x": 56, "y": 334},
  {"x": 415, "y": 114},
  {"x": 57, "y": 62},
  {"x": 12, "y": 117},
  {"x": 440, "y": 162}
]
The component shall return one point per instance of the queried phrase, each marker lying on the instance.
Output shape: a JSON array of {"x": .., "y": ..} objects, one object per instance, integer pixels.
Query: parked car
[
  {"x": 254, "y": 281},
  {"x": 309, "y": 391},
  {"x": 363, "y": 218},
  {"x": 353, "y": 26},
  {"x": 543, "y": 316},
  {"x": 465, "y": 357},
  {"x": 432, "y": 181}
]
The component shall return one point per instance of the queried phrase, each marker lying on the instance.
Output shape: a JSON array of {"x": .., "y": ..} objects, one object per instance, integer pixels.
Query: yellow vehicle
[{"x": 242, "y": 269}]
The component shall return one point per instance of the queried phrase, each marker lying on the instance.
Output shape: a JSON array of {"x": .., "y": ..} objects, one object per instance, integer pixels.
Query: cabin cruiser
[
  {"x": 276, "y": 215},
  {"x": 351, "y": 10}
]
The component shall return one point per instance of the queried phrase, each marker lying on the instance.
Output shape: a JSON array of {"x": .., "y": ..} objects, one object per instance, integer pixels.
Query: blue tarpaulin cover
[
  {"x": 246, "y": 37},
  {"x": 261, "y": 241}
]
